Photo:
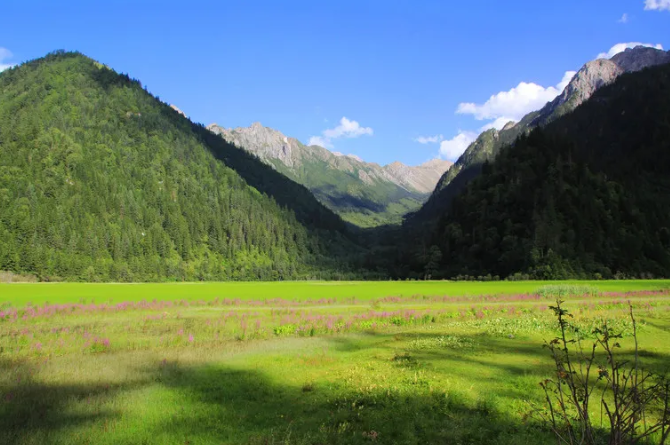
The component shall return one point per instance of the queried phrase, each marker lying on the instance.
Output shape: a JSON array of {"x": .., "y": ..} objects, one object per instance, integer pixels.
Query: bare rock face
[
  {"x": 640, "y": 57},
  {"x": 592, "y": 76},
  {"x": 264, "y": 142},
  {"x": 598, "y": 73},
  {"x": 423, "y": 177},
  {"x": 509, "y": 125},
  {"x": 365, "y": 177}
]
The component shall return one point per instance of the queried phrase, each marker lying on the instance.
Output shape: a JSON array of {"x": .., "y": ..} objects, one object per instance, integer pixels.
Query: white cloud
[
  {"x": 623, "y": 19},
  {"x": 4, "y": 55},
  {"x": 515, "y": 103},
  {"x": 346, "y": 129},
  {"x": 621, "y": 47},
  {"x": 452, "y": 148},
  {"x": 499, "y": 109},
  {"x": 321, "y": 142},
  {"x": 657, "y": 5},
  {"x": 429, "y": 139}
]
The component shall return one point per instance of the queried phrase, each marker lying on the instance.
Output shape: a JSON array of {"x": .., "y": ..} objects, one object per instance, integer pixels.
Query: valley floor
[{"x": 298, "y": 363}]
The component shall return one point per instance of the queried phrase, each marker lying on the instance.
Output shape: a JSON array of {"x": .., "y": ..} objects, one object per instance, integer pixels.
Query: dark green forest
[
  {"x": 586, "y": 196},
  {"x": 101, "y": 181}
]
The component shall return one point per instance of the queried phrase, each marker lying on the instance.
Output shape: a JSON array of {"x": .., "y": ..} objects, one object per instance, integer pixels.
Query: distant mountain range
[
  {"x": 363, "y": 193},
  {"x": 592, "y": 76}
]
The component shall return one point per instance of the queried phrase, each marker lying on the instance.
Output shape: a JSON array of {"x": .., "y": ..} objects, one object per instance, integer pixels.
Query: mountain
[
  {"x": 363, "y": 193},
  {"x": 101, "y": 181},
  {"x": 592, "y": 76},
  {"x": 584, "y": 196}
]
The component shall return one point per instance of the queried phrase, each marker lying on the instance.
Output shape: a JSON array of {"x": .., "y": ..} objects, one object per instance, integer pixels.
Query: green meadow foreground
[{"x": 303, "y": 363}]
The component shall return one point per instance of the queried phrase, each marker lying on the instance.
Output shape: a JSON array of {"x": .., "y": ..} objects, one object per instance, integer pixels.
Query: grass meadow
[{"x": 297, "y": 363}]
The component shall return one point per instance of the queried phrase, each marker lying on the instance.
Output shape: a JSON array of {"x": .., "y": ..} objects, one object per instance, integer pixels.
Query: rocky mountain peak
[
  {"x": 266, "y": 143},
  {"x": 600, "y": 72},
  {"x": 437, "y": 163},
  {"x": 640, "y": 57},
  {"x": 592, "y": 76}
]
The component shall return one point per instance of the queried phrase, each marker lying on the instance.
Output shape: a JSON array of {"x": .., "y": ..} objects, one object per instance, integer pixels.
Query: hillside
[
  {"x": 363, "y": 193},
  {"x": 588, "y": 195},
  {"x": 589, "y": 78},
  {"x": 101, "y": 181}
]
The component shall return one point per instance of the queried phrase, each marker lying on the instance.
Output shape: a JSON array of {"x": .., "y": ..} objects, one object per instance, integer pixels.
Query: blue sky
[{"x": 397, "y": 71}]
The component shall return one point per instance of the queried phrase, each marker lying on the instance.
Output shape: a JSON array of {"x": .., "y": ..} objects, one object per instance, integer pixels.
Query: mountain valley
[
  {"x": 101, "y": 181},
  {"x": 444, "y": 231},
  {"x": 365, "y": 194}
]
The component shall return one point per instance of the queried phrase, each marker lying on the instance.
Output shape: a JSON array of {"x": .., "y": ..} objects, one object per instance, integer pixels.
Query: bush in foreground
[{"x": 635, "y": 402}]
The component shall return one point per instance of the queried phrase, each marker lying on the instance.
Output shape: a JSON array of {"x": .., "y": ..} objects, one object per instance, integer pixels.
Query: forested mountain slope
[
  {"x": 588, "y": 79},
  {"x": 587, "y": 195},
  {"x": 363, "y": 193},
  {"x": 99, "y": 180}
]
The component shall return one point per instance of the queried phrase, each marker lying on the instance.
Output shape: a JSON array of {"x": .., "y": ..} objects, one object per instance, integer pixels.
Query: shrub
[
  {"x": 286, "y": 329},
  {"x": 635, "y": 402}
]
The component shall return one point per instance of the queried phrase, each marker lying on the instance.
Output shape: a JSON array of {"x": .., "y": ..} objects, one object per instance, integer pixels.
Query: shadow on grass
[
  {"x": 36, "y": 412},
  {"x": 476, "y": 347},
  {"x": 214, "y": 403},
  {"x": 222, "y": 405},
  {"x": 247, "y": 407},
  {"x": 517, "y": 364},
  {"x": 658, "y": 324}
]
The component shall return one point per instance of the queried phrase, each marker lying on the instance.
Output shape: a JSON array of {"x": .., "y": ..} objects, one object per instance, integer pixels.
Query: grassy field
[
  {"x": 38, "y": 293},
  {"x": 295, "y": 363}
]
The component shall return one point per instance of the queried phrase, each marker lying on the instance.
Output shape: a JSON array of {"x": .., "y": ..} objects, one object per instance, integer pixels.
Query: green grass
[
  {"x": 325, "y": 368},
  {"x": 23, "y": 293}
]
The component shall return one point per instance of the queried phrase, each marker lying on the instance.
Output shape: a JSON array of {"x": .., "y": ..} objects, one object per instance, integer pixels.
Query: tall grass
[{"x": 553, "y": 291}]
